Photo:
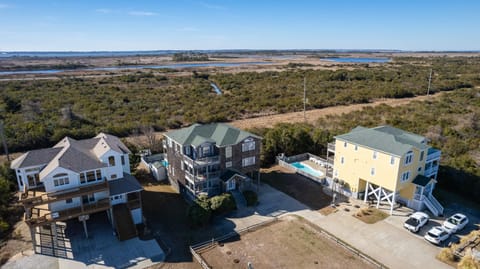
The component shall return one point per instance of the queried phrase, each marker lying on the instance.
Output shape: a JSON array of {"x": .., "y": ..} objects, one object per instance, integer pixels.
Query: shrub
[
  {"x": 223, "y": 203},
  {"x": 468, "y": 262},
  {"x": 446, "y": 255},
  {"x": 251, "y": 197},
  {"x": 200, "y": 213}
]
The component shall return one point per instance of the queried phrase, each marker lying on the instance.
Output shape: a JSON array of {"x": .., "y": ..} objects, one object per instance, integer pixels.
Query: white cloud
[
  {"x": 212, "y": 6},
  {"x": 142, "y": 13}
]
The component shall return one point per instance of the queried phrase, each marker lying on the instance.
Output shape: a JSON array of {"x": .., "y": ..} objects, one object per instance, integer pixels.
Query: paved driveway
[
  {"x": 101, "y": 250},
  {"x": 385, "y": 241}
]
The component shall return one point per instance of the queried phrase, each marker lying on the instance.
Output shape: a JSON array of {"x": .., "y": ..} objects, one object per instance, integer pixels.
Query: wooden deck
[
  {"x": 40, "y": 215},
  {"x": 36, "y": 197},
  {"x": 123, "y": 222}
]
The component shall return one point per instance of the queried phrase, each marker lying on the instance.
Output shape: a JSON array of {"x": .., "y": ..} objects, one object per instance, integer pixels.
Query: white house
[{"x": 76, "y": 178}]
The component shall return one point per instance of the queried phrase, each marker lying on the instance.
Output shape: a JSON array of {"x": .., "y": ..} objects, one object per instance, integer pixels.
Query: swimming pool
[{"x": 307, "y": 169}]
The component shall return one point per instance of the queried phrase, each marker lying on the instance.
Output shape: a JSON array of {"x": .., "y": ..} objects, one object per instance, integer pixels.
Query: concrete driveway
[
  {"x": 101, "y": 250},
  {"x": 386, "y": 241}
]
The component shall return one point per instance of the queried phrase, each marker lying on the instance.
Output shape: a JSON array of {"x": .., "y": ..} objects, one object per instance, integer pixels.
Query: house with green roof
[
  {"x": 211, "y": 158},
  {"x": 385, "y": 164}
]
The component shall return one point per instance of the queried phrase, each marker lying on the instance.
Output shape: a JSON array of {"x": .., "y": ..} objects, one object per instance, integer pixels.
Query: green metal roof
[
  {"x": 421, "y": 180},
  {"x": 220, "y": 133},
  {"x": 385, "y": 138}
]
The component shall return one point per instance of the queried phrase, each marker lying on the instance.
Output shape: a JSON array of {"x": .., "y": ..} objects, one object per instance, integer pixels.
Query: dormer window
[
  {"x": 111, "y": 160},
  {"x": 60, "y": 179}
]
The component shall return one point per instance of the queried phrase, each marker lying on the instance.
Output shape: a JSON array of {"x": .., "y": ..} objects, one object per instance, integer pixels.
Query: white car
[
  {"x": 416, "y": 221},
  {"x": 455, "y": 223},
  {"x": 437, "y": 235}
]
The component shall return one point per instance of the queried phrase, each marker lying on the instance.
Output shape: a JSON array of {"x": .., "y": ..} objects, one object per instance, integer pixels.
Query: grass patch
[
  {"x": 370, "y": 215},
  {"x": 328, "y": 210}
]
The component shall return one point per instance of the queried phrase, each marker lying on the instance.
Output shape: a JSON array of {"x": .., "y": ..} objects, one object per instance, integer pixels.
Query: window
[
  {"x": 82, "y": 178},
  {"x": 91, "y": 176},
  {"x": 409, "y": 158},
  {"x": 248, "y": 145},
  {"x": 99, "y": 174},
  {"x": 342, "y": 160},
  {"x": 111, "y": 160},
  {"x": 206, "y": 151},
  {"x": 228, "y": 164},
  {"x": 405, "y": 176},
  {"x": 372, "y": 171},
  {"x": 20, "y": 180},
  {"x": 122, "y": 158},
  {"x": 375, "y": 155},
  {"x": 69, "y": 201},
  {"x": 419, "y": 169},
  {"x": 248, "y": 161},
  {"x": 114, "y": 176},
  {"x": 421, "y": 155},
  {"x": 392, "y": 160},
  {"x": 88, "y": 198},
  {"x": 60, "y": 179},
  {"x": 356, "y": 147},
  {"x": 344, "y": 144},
  {"x": 228, "y": 152}
]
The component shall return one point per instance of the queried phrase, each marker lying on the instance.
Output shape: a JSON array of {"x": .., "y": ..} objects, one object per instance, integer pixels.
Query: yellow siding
[
  {"x": 407, "y": 191},
  {"x": 358, "y": 163},
  {"x": 412, "y": 167}
]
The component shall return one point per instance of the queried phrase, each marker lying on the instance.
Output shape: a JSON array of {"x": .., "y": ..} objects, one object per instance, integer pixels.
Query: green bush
[
  {"x": 200, "y": 213},
  {"x": 222, "y": 203},
  {"x": 251, "y": 197}
]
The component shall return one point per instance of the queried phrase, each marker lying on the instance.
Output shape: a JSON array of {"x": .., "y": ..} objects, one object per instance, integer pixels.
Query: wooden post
[
  {"x": 34, "y": 240},
  {"x": 85, "y": 227}
]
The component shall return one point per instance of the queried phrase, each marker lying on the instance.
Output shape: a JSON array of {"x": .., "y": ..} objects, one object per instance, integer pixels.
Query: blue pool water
[
  {"x": 307, "y": 169},
  {"x": 358, "y": 60},
  {"x": 164, "y": 163}
]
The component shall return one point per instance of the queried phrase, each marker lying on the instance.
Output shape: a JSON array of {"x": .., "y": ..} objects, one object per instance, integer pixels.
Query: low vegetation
[
  {"x": 451, "y": 122},
  {"x": 38, "y": 113},
  {"x": 203, "y": 208},
  {"x": 370, "y": 215}
]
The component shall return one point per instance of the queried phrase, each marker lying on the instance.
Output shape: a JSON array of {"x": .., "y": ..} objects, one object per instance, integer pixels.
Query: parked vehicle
[
  {"x": 437, "y": 235},
  {"x": 455, "y": 223},
  {"x": 416, "y": 221}
]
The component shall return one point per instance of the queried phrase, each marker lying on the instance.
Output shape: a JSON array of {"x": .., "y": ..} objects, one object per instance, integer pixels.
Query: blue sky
[{"x": 72, "y": 25}]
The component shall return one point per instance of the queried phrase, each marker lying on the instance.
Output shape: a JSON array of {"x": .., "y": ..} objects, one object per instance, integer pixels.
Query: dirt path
[{"x": 314, "y": 115}]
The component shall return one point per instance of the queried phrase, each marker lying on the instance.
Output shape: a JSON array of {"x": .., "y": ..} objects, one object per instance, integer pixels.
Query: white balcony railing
[{"x": 433, "y": 154}]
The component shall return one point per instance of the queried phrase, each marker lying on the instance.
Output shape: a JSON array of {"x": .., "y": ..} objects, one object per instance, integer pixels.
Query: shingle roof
[
  {"x": 220, "y": 133},
  {"x": 124, "y": 185},
  {"x": 35, "y": 158},
  {"x": 228, "y": 174},
  {"x": 421, "y": 180},
  {"x": 385, "y": 138}
]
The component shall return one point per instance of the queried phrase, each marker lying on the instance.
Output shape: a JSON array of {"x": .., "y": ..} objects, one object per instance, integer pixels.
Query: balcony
[
  {"x": 433, "y": 154},
  {"x": 331, "y": 147},
  {"x": 202, "y": 161},
  {"x": 41, "y": 215},
  {"x": 431, "y": 171},
  {"x": 37, "y": 197},
  {"x": 198, "y": 177}
]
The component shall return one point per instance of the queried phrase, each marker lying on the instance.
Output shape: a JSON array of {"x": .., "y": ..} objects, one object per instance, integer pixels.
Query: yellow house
[{"x": 386, "y": 164}]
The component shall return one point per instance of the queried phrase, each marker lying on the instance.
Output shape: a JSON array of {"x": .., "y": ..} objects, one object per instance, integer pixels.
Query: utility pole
[
  {"x": 429, "y": 82},
  {"x": 304, "y": 99},
  {"x": 4, "y": 141}
]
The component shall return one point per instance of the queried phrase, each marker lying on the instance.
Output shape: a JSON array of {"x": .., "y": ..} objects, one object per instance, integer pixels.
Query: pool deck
[{"x": 316, "y": 167}]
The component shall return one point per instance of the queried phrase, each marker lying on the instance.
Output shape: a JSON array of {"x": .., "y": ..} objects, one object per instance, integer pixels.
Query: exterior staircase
[
  {"x": 124, "y": 225},
  {"x": 433, "y": 205}
]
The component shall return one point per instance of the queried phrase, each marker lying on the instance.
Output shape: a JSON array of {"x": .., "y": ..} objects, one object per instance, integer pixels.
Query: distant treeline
[
  {"x": 68, "y": 65},
  {"x": 189, "y": 57},
  {"x": 38, "y": 113}
]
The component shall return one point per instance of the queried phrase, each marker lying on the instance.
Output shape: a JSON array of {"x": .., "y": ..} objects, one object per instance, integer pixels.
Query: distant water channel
[
  {"x": 127, "y": 67},
  {"x": 216, "y": 88},
  {"x": 358, "y": 60}
]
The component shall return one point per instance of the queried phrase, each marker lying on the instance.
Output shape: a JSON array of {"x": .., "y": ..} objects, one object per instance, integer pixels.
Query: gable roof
[
  {"x": 220, "y": 133},
  {"x": 71, "y": 154},
  {"x": 385, "y": 138},
  {"x": 35, "y": 158}
]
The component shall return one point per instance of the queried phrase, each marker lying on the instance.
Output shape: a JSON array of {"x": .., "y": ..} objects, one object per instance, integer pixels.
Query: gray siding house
[{"x": 211, "y": 159}]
